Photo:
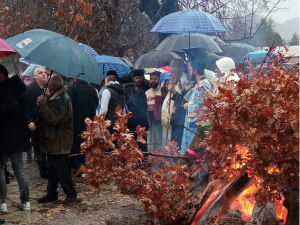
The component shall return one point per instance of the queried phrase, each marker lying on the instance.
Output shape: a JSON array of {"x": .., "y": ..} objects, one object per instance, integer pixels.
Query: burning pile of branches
[
  {"x": 254, "y": 134},
  {"x": 164, "y": 191},
  {"x": 256, "y": 130}
]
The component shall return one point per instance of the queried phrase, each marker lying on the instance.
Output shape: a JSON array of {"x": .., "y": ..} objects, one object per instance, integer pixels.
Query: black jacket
[
  {"x": 84, "y": 102},
  {"x": 178, "y": 118},
  {"x": 14, "y": 136},
  {"x": 33, "y": 91},
  {"x": 117, "y": 98},
  {"x": 136, "y": 102}
]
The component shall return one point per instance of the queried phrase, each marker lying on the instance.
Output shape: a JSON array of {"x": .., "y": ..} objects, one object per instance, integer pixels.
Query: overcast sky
[{"x": 289, "y": 10}]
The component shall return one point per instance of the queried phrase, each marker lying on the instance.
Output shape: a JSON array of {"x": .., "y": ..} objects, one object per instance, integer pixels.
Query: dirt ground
[{"x": 105, "y": 205}]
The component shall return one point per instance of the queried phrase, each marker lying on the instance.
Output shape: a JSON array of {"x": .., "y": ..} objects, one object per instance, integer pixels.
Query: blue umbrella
[
  {"x": 89, "y": 49},
  {"x": 257, "y": 58},
  {"x": 107, "y": 63},
  {"x": 57, "y": 52},
  {"x": 189, "y": 21}
]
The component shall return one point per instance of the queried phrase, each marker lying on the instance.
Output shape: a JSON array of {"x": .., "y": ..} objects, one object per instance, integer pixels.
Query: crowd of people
[{"x": 46, "y": 113}]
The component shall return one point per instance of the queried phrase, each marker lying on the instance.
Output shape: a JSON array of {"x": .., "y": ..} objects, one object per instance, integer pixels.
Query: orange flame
[
  {"x": 281, "y": 211},
  {"x": 245, "y": 204}
]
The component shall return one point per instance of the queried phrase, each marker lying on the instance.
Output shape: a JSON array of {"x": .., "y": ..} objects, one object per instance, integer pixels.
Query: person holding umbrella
[
  {"x": 194, "y": 99},
  {"x": 56, "y": 135}
]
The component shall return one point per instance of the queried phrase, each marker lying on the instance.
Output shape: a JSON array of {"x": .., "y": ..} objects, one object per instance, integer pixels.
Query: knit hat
[
  {"x": 138, "y": 73},
  {"x": 225, "y": 64},
  {"x": 156, "y": 73}
]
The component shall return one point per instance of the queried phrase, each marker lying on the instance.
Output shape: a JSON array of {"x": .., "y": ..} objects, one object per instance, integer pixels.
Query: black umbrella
[
  {"x": 178, "y": 42},
  {"x": 200, "y": 54},
  {"x": 237, "y": 50},
  {"x": 155, "y": 59}
]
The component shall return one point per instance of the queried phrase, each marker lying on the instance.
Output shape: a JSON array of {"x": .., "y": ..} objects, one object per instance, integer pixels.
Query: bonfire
[{"x": 242, "y": 170}]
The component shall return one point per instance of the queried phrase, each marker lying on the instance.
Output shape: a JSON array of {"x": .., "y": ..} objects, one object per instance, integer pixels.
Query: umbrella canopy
[
  {"x": 189, "y": 21},
  {"x": 57, "y": 52},
  {"x": 30, "y": 70},
  {"x": 107, "y": 63},
  {"x": 89, "y": 49},
  {"x": 155, "y": 59},
  {"x": 200, "y": 54},
  {"x": 178, "y": 42},
  {"x": 237, "y": 50},
  {"x": 219, "y": 41},
  {"x": 257, "y": 58},
  {"x": 5, "y": 49}
]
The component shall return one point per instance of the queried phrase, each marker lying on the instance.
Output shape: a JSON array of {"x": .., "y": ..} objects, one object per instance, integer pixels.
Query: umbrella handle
[{"x": 46, "y": 86}]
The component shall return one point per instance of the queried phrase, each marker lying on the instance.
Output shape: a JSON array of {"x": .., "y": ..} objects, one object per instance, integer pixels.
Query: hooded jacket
[
  {"x": 14, "y": 136},
  {"x": 117, "y": 98},
  {"x": 56, "y": 129}
]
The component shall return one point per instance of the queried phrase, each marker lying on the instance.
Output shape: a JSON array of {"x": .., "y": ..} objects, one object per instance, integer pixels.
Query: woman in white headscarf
[{"x": 226, "y": 70}]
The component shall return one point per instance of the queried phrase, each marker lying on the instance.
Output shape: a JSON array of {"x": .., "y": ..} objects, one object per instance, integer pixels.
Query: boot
[
  {"x": 48, "y": 198},
  {"x": 70, "y": 200}
]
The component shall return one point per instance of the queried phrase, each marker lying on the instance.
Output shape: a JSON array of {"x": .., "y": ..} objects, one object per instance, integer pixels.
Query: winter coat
[
  {"x": 117, "y": 98},
  {"x": 14, "y": 136},
  {"x": 56, "y": 127},
  {"x": 136, "y": 102},
  {"x": 33, "y": 91},
  {"x": 84, "y": 101}
]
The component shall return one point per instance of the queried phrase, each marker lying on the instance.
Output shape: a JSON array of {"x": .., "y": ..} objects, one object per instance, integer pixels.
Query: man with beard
[
  {"x": 136, "y": 102},
  {"x": 33, "y": 91},
  {"x": 154, "y": 101},
  {"x": 173, "y": 113},
  {"x": 194, "y": 100}
]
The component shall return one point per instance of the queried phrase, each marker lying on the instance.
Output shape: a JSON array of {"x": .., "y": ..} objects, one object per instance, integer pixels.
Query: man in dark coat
[
  {"x": 84, "y": 101},
  {"x": 136, "y": 102},
  {"x": 112, "y": 97},
  {"x": 56, "y": 135},
  {"x": 14, "y": 138},
  {"x": 33, "y": 91}
]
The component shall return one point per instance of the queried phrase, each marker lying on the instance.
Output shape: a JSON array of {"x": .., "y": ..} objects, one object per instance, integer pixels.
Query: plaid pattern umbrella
[
  {"x": 107, "y": 63},
  {"x": 189, "y": 21}
]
